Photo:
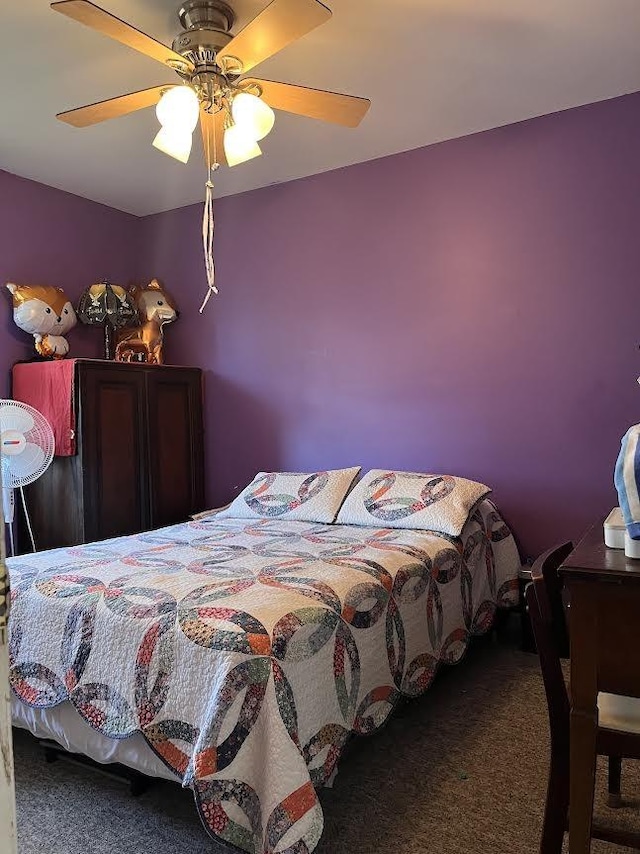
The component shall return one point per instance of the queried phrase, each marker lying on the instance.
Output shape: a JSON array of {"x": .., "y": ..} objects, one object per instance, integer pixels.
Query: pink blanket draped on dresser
[{"x": 48, "y": 387}]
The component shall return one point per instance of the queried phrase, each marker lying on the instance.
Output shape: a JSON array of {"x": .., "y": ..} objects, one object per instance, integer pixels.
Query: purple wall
[
  {"x": 48, "y": 237},
  {"x": 472, "y": 307}
]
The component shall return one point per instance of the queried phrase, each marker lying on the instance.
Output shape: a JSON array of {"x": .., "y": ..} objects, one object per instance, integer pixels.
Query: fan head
[{"x": 26, "y": 443}]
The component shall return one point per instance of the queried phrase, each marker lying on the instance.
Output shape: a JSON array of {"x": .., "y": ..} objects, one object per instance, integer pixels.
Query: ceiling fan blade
[
  {"x": 282, "y": 22},
  {"x": 82, "y": 117},
  {"x": 315, "y": 103},
  {"x": 212, "y": 127},
  {"x": 107, "y": 24}
]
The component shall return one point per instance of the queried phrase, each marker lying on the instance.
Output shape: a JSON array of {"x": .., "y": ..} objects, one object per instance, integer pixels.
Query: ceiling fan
[{"x": 235, "y": 112}]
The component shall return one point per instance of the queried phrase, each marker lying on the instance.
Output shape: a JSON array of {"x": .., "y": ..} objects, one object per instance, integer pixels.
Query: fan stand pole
[
  {"x": 8, "y": 507},
  {"x": 11, "y": 540},
  {"x": 26, "y": 516}
]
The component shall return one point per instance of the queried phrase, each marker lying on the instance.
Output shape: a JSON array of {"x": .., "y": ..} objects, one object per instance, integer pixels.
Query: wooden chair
[{"x": 618, "y": 717}]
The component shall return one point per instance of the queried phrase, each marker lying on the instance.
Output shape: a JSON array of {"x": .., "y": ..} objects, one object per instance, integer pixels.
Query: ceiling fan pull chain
[{"x": 208, "y": 227}]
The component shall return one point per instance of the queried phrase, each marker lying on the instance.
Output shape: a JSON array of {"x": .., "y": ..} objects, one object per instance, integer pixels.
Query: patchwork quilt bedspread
[{"x": 247, "y": 652}]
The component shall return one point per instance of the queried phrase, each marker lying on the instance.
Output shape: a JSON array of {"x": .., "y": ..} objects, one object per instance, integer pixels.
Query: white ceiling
[{"x": 434, "y": 70}]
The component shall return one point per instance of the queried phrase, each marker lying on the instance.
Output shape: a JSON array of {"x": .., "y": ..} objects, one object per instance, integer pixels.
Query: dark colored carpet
[{"x": 460, "y": 771}]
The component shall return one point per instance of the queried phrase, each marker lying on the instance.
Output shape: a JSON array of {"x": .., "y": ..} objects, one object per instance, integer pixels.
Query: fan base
[
  {"x": 207, "y": 24},
  {"x": 206, "y": 14}
]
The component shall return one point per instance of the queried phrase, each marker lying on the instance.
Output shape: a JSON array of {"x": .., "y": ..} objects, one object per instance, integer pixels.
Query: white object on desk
[
  {"x": 631, "y": 547},
  {"x": 614, "y": 529},
  {"x": 616, "y": 537}
]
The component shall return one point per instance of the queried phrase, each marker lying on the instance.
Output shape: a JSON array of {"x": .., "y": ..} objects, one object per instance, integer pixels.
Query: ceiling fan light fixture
[
  {"x": 239, "y": 146},
  {"x": 176, "y": 142},
  {"x": 179, "y": 109},
  {"x": 212, "y": 62},
  {"x": 252, "y": 114}
]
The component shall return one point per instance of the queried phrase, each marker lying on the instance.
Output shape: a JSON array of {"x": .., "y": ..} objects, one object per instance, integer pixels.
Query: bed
[{"x": 238, "y": 656}]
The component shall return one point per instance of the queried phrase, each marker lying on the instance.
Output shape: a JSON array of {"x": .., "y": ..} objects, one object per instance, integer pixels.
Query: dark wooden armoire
[{"x": 139, "y": 456}]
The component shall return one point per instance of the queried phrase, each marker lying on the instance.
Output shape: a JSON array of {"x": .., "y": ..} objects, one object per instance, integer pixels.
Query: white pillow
[
  {"x": 305, "y": 497},
  {"x": 399, "y": 499}
]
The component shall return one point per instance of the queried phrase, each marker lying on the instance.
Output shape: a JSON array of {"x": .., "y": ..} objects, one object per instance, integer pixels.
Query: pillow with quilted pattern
[
  {"x": 310, "y": 497},
  {"x": 400, "y": 499}
]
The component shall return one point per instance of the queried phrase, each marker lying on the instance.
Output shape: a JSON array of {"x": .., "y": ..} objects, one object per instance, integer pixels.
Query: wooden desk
[{"x": 604, "y": 595}]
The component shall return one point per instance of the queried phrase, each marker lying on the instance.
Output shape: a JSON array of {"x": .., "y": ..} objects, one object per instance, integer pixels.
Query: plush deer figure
[{"x": 144, "y": 343}]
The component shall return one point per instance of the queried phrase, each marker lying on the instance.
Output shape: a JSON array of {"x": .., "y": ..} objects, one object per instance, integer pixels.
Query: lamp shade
[
  {"x": 179, "y": 109},
  {"x": 175, "y": 142},
  {"x": 252, "y": 114},
  {"x": 239, "y": 146},
  {"x": 110, "y": 306}
]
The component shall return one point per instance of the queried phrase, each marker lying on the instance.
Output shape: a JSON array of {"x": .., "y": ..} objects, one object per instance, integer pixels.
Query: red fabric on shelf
[{"x": 48, "y": 387}]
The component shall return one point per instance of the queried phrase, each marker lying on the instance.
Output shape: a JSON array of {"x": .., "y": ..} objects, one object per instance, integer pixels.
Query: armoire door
[
  {"x": 176, "y": 469},
  {"x": 114, "y": 450}
]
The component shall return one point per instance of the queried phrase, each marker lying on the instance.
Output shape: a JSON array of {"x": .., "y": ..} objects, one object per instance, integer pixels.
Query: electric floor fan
[{"x": 27, "y": 447}]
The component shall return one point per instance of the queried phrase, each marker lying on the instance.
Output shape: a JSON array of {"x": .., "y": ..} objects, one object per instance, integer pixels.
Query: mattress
[{"x": 238, "y": 656}]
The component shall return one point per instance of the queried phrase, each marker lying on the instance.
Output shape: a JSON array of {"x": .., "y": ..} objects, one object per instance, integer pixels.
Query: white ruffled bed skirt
[{"x": 65, "y": 726}]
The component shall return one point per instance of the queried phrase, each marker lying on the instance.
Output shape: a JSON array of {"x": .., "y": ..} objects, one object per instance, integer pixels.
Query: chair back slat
[
  {"x": 544, "y": 573},
  {"x": 544, "y": 601}
]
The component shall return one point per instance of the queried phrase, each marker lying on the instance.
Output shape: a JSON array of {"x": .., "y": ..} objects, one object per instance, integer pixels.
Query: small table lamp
[{"x": 107, "y": 305}]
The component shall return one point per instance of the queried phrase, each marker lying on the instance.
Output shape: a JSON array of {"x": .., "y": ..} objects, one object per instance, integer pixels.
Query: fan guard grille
[{"x": 22, "y": 420}]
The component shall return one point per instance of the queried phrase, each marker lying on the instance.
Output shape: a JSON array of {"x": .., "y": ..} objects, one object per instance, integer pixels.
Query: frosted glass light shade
[
  {"x": 179, "y": 108},
  {"x": 239, "y": 146},
  {"x": 175, "y": 142},
  {"x": 252, "y": 114}
]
